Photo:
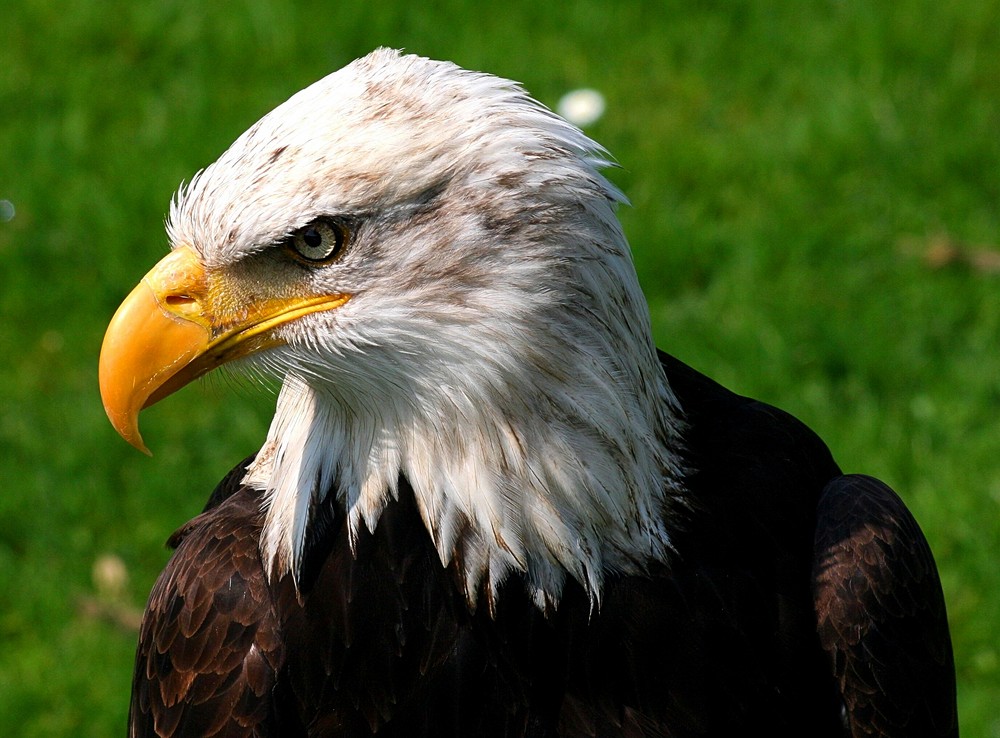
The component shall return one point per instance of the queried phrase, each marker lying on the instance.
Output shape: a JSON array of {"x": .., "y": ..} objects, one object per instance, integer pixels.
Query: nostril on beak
[{"x": 178, "y": 300}]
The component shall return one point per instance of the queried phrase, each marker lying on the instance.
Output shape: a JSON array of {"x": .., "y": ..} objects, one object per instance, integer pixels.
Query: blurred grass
[{"x": 816, "y": 197}]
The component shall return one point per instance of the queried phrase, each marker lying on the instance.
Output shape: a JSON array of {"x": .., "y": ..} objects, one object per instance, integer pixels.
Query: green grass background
[{"x": 790, "y": 164}]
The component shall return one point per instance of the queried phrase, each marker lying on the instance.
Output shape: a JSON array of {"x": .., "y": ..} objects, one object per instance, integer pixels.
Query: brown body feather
[{"x": 799, "y": 602}]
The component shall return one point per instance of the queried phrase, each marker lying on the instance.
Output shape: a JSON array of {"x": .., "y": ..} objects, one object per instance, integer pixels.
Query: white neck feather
[{"x": 542, "y": 440}]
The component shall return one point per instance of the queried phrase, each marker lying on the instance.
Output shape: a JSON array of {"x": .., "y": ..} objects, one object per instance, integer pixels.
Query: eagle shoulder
[
  {"x": 881, "y": 612},
  {"x": 209, "y": 645}
]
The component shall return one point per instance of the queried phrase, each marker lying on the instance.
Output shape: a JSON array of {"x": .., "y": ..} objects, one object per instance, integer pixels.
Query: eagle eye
[{"x": 320, "y": 242}]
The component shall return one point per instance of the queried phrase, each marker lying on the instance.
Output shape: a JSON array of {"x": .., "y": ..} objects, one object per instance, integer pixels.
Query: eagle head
[{"x": 430, "y": 263}]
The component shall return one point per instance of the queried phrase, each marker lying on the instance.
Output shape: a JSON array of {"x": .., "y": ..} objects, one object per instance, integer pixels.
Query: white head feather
[{"x": 496, "y": 351}]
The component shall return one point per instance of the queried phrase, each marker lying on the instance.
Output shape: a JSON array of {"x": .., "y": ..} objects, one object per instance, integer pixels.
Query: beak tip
[
  {"x": 127, "y": 426},
  {"x": 136, "y": 442}
]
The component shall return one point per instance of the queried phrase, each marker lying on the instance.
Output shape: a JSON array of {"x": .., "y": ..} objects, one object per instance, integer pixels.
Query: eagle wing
[
  {"x": 881, "y": 613},
  {"x": 209, "y": 647}
]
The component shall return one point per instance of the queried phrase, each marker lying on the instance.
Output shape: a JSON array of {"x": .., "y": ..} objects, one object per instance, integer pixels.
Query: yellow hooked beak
[{"x": 177, "y": 324}]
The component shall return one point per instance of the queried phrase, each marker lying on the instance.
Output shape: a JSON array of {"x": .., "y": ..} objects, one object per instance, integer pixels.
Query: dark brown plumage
[
  {"x": 800, "y": 603},
  {"x": 881, "y": 613}
]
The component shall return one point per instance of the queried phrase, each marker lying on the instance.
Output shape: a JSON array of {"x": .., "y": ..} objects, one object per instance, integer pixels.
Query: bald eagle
[{"x": 487, "y": 505}]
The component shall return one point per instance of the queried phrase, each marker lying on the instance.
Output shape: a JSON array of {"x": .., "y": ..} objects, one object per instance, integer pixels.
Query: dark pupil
[{"x": 312, "y": 238}]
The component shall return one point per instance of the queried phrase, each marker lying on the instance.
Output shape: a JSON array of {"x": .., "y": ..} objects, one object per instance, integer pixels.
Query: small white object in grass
[
  {"x": 110, "y": 576},
  {"x": 581, "y": 107},
  {"x": 6, "y": 211}
]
